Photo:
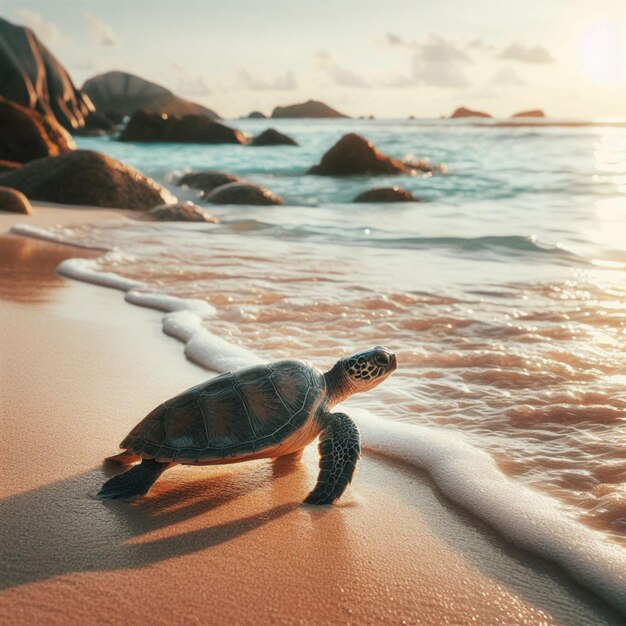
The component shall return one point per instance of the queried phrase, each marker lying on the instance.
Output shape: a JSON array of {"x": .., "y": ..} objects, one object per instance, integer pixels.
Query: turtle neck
[{"x": 338, "y": 384}]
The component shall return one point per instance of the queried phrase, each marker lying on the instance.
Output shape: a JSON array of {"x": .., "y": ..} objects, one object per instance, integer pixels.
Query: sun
[{"x": 601, "y": 52}]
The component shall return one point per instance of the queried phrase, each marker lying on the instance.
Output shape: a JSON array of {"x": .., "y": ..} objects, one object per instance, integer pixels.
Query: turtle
[{"x": 264, "y": 411}]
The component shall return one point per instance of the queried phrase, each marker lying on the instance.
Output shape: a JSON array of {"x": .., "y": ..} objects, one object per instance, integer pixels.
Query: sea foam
[{"x": 466, "y": 475}]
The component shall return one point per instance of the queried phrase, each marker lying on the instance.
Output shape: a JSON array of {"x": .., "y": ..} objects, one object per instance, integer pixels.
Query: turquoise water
[{"x": 503, "y": 292}]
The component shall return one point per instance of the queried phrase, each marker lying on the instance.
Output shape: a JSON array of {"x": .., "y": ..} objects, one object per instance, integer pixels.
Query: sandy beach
[{"x": 227, "y": 544}]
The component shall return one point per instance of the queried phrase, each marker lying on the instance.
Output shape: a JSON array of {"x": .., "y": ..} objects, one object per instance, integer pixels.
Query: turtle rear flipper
[
  {"x": 137, "y": 481},
  {"x": 123, "y": 458},
  {"x": 340, "y": 448}
]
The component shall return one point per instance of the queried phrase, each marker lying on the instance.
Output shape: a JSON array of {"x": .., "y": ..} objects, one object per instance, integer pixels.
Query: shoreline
[{"x": 437, "y": 562}]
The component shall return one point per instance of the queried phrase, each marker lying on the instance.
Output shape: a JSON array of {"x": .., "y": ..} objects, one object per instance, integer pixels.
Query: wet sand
[{"x": 214, "y": 545}]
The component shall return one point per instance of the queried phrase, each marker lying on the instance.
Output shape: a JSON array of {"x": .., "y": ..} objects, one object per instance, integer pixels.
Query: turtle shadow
[{"x": 62, "y": 528}]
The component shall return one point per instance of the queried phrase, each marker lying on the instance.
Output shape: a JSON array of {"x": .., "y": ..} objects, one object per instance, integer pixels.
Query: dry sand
[{"x": 213, "y": 545}]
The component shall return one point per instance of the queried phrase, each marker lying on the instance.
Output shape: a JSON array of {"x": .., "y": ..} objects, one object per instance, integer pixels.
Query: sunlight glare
[{"x": 601, "y": 52}]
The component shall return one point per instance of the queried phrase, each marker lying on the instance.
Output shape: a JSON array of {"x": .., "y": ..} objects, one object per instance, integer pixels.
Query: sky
[{"x": 388, "y": 58}]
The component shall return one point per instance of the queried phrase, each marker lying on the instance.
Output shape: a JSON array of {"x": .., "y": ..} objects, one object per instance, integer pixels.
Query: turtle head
[{"x": 360, "y": 372}]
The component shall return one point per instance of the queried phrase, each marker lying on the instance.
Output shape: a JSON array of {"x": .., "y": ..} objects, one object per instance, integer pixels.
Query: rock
[
  {"x": 33, "y": 77},
  {"x": 120, "y": 93},
  {"x": 271, "y": 137},
  {"x": 257, "y": 115},
  {"x": 531, "y": 113},
  {"x": 14, "y": 201},
  {"x": 181, "y": 212},
  {"x": 311, "y": 108},
  {"x": 9, "y": 166},
  {"x": 147, "y": 126},
  {"x": 96, "y": 125},
  {"x": 208, "y": 181},
  {"x": 26, "y": 134},
  {"x": 385, "y": 194},
  {"x": 242, "y": 193},
  {"x": 354, "y": 155},
  {"x": 463, "y": 112},
  {"x": 87, "y": 178}
]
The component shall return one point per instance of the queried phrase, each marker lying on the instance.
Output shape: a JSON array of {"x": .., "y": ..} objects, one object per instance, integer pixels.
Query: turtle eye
[{"x": 381, "y": 359}]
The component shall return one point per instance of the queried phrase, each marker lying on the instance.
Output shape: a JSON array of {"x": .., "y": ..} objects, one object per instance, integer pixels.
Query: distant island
[
  {"x": 464, "y": 112},
  {"x": 310, "y": 108},
  {"x": 531, "y": 113}
]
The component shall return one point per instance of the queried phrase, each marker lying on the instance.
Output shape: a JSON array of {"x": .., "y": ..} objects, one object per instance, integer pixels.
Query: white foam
[
  {"x": 168, "y": 304},
  {"x": 205, "y": 348},
  {"x": 87, "y": 271},
  {"x": 467, "y": 475},
  {"x": 56, "y": 237},
  {"x": 470, "y": 478}
]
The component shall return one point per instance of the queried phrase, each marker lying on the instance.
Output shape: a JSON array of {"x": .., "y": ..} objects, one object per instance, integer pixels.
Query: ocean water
[{"x": 503, "y": 293}]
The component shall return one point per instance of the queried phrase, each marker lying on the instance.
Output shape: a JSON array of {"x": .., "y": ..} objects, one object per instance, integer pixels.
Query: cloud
[
  {"x": 478, "y": 45},
  {"x": 437, "y": 62},
  {"x": 100, "y": 31},
  {"x": 286, "y": 82},
  {"x": 323, "y": 56},
  {"x": 394, "y": 40},
  {"x": 439, "y": 50},
  {"x": 188, "y": 84},
  {"x": 46, "y": 30},
  {"x": 438, "y": 74},
  {"x": 507, "y": 76},
  {"x": 344, "y": 77},
  {"x": 526, "y": 54}
]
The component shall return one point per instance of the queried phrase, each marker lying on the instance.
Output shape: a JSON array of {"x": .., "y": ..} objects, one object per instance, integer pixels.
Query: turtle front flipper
[
  {"x": 339, "y": 448},
  {"x": 137, "y": 481}
]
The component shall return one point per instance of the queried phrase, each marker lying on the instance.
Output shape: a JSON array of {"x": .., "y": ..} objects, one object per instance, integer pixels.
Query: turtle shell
[{"x": 235, "y": 414}]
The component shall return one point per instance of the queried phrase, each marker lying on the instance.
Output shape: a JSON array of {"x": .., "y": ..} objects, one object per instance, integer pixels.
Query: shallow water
[{"x": 503, "y": 293}]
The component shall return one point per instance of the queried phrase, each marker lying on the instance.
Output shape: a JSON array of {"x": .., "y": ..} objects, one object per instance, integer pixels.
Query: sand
[{"x": 213, "y": 545}]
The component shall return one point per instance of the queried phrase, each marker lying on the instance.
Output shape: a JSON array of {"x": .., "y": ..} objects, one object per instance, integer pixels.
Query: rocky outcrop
[
  {"x": 96, "y": 125},
  {"x": 9, "y": 166},
  {"x": 531, "y": 113},
  {"x": 271, "y": 137},
  {"x": 88, "y": 178},
  {"x": 354, "y": 155},
  {"x": 242, "y": 193},
  {"x": 208, "y": 181},
  {"x": 31, "y": 76},
  {"x": 152, "y": 127},
  {"x": 120, "y": 93},
  {"x": 180, "y": 212},
  {"x": 463, "y": 112},
  {"x": 14, "y": 201},
  {"x": 257, "y": 115},
  {"x": 26, "y": 134},
  {"x": 385, "y": 194},
  {"x": 311, "y": 108}
]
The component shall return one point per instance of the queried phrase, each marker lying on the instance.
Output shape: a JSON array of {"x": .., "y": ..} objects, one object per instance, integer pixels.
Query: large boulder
[
  {"x": 257, "y": 115},
  {"x": 208, "y": 181},
  {"x": 180, "y": 212},
  {"x": 463, "y": 112},
  {"x": 531, "y": 113},
  {"x": 385, "y": 194},
  {"x": 26, "y": 134},
  {"x": 14, "y": 201},
  {"x": 147, "y": 126},
  {"x": 271, "y": 137},
  {"x": 310, "y": 108},
  {"x": 120, "y": 93},
  {"x": 31, "y": 76},
  {"x": 87, "y": 178},
  {"x": 354, "y": 155},
  {"x": 242, "y": 193}
]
